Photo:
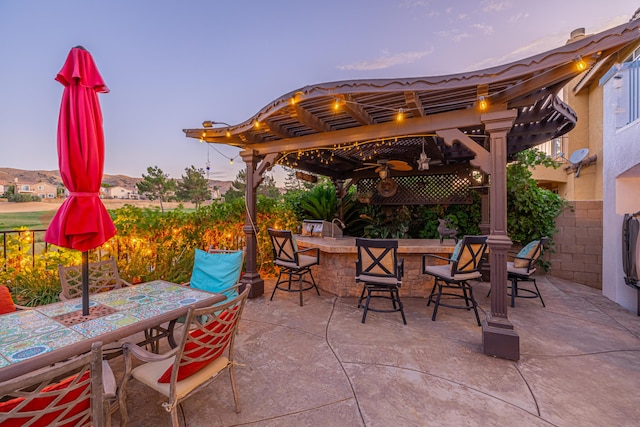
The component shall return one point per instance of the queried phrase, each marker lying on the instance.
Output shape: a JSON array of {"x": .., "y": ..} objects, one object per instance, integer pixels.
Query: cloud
[
  {"x": 453, "y": 35},
  {"x": 495, "y": 5},
  {"x": 483, "y": 28},
  {"x": 387, "y": 60},
  {"x": 515, "y": 18},
  {"x": 415, "y": 3}
]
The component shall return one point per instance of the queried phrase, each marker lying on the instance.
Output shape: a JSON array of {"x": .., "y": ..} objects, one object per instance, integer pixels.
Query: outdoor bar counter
[{"x": 337, "y": 270}]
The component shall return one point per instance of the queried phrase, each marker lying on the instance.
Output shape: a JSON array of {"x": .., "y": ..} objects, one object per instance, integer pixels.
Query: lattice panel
[{"x": 446, "y": 189}]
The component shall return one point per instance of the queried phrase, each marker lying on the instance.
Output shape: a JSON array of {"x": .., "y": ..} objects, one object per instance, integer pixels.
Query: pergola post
[
  {"x": 251, "y": 275},
  {"x": 498, "y": 335}
]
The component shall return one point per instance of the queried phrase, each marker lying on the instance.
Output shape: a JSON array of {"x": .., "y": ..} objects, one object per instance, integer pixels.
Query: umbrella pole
[{"x": 85, "y": 283}]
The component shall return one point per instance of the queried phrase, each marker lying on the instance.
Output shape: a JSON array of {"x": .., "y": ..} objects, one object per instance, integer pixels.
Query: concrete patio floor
[{"x": 317, "y": 365}]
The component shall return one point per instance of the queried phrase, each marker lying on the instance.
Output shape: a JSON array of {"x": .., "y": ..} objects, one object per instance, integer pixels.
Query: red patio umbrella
[{"x": 82, "y": 222}]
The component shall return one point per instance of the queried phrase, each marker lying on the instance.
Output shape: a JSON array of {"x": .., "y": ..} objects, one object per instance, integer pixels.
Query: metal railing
[{"x": 26, "y": 237}]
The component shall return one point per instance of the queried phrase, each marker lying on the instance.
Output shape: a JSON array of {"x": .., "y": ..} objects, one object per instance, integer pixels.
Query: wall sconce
[{"x": 210, "y": 123}]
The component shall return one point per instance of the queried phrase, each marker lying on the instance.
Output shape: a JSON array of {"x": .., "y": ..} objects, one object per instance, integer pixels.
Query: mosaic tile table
[{"x": 31, "y": 339}]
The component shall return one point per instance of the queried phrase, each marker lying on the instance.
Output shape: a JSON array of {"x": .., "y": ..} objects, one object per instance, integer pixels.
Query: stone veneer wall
[
  {"x": 578, "y": 251},
  {"x": 336, "y": 275}
]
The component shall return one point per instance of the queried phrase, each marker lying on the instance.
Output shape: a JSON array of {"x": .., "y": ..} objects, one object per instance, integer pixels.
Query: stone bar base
[{"x": 337, "y": 270}]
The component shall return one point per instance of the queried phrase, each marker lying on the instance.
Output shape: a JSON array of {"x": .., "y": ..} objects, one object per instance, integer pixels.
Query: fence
[{"x": 24, "y": 237}]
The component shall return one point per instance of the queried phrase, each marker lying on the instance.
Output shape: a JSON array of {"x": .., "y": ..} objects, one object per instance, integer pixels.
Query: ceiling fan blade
[
  {"x": 399, "y": 165},
  {"x": 369, "y": 166}
]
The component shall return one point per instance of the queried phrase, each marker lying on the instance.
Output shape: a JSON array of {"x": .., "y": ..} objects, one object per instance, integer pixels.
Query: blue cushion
[
  {"x": 528, "y": 251},
  {"x": 456, "y": 250},
  {"x": 217, "y": 271}
]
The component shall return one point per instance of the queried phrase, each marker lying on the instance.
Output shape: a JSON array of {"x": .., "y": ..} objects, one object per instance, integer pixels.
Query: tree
[
  {"x": 194, "y": 187},
  {"x": 292, "y": 183},
  {"x": 156, "y": 185},
  {"x": 532, "y": 211},
  {"x": 267, "y": 187}
]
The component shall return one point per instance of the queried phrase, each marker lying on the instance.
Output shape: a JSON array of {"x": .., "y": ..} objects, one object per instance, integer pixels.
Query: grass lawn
[{"x": 32, "y": 220}]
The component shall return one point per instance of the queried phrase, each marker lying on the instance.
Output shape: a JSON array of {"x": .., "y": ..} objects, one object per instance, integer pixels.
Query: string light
[
  {"x": 231, "y": 159},
  {"x": 482, "y": 103},
  {"x": 400, "y": 115},
  {"x": 581, "y": 65}
]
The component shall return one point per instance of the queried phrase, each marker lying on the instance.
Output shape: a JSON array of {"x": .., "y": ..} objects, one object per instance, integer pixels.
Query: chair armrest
[
  {"x": 400, "y": 268},
  {"x": 309, "y": 249},
  {"x": 424, "y": 260},
  {"x": 436, "y": 256},
  {"x": 109, "y": 384},
  {"x": 144, "y": 355}
]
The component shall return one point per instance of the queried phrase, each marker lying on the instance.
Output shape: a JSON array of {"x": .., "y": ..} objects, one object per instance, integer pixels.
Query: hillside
[{"x": 8, "y": 176}]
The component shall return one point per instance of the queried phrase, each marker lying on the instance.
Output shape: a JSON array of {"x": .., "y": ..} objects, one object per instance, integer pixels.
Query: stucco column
[
  {"x": 251, "y": 274},
  {"x": 498, "y": 336}
]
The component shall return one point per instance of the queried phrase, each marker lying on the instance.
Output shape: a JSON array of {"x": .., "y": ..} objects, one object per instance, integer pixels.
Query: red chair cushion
[
  {"x": 192, "y": 349},
  {"x": 40, "y": 403},
  {"x": 6, "y": 302}
]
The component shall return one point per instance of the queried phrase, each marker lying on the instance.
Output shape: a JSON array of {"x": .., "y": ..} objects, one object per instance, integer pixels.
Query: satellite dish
[{"x": 577, "y": 157}]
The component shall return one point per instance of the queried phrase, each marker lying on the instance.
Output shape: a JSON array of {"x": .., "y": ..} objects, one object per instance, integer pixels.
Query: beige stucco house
[
  {"x": 41, "y": 189},
  {"x": 604, "y": 186}
]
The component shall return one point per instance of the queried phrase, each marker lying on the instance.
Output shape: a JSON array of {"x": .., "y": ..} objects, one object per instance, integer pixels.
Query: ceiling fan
[{"x": 385, "y": 164}]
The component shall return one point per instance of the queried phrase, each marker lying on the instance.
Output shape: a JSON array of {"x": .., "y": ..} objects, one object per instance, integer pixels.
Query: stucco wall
[
  {"x": 621, "y": 191},
  {"x": 578, "y": 251}
]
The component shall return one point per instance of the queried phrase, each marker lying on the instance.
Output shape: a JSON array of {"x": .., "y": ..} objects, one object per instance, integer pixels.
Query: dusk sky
[{"x": 170, "y": 65}]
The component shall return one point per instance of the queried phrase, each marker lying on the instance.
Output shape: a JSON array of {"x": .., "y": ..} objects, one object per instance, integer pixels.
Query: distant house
[
  {"x": 41, "y": 189},
  {"x": 2, "y": 189},
  {"x": 122, "y": 193}
]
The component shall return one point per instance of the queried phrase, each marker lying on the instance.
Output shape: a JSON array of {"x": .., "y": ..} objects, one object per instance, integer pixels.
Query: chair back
[
  {"x": 40, "y": 398},
  {"x": 283, "y": 246},
  {"x": 377, "y": 258},
  {"x": 469, "y": 255},
  {"x": 216, "y": 270},
  {"x": 211, "y": 331},
  {"x": 103, "y": 276},
  {"x": 530, "y": 255}
]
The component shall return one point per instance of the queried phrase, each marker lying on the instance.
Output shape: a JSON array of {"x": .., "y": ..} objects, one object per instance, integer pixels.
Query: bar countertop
[{"x": 347, "y": 245}]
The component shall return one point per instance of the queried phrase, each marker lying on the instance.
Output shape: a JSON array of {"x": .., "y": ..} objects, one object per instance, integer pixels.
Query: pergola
[{"x": 466, "y": 122}]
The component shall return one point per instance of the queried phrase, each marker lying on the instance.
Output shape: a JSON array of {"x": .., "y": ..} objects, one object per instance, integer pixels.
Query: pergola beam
[{"x": 426, "y": 124}]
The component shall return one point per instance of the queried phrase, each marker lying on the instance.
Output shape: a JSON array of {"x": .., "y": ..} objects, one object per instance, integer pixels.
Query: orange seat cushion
[
  {"x": 193, "y": 349},
  {"x": 39, "y": 403},
  {"x": 6, "y": 302}
]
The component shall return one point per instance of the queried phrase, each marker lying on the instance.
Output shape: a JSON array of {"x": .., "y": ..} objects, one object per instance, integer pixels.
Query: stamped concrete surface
[{"x": 318, "y": 365}]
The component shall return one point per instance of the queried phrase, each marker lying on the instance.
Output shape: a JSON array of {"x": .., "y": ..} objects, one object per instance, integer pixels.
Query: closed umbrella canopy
[{"x": 82, "y": 222}]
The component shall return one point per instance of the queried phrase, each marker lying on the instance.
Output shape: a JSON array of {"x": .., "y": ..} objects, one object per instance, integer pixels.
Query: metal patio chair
[
  {"x": 464, "y": 265},
  {"x": 521, "y": 269},
  {"x": 104, "y": 276},
  {"x": 292, "y": 263},
  {"x": 380, "y": 270},
  {"x": 86, "y": 396},
  {"x": 195, "y": 363}
]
